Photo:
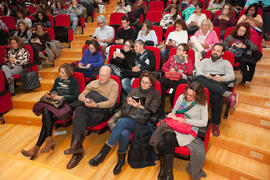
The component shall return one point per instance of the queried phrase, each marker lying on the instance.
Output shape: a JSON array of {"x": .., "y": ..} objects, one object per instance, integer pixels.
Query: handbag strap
[{"x": 185, "y": 109}]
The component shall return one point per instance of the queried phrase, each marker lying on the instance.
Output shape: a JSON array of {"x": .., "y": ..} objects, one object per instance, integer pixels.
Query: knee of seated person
[
  {"x": 46, "y": 112},
  {"x": 167, "y": 137},
  {"x": 125, "y": 133}
]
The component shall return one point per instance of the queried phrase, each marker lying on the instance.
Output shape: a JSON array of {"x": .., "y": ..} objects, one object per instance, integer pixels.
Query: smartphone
[
  {"x": 117, "y": 50},
  {"x": 212, "y": 74},
  {"x": 137, "y": 99}
]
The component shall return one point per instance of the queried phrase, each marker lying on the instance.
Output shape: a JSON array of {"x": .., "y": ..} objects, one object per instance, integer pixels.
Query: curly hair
[
  {"x": 245, "y": 25},
  {"x": 68, "y": 69},
  {"x": 150, "y": 76},
  {"x": 96, "y": 45},
  {"x": 182, "y": 23},
  {"x": 18, "y": 40},
  {"x": 200, "y": 94}
]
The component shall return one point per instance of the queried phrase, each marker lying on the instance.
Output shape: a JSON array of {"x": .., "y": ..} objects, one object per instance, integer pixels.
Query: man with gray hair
[
  {"x": 103, "y": 34},
  {"x": 98, "y": 97}
]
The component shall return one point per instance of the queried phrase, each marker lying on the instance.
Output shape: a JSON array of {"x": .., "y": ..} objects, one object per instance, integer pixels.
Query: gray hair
[
  {"x": 141, "y": 42},
  {"x": 101, "y": 18}
]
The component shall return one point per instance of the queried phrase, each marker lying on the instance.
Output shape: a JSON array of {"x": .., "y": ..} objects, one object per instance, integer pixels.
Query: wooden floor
[{"x": 242, "y": 151}]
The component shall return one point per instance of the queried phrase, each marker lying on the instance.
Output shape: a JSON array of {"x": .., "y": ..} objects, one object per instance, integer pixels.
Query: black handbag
[
  {"x": 137, "y": 114},
  {"x": 30, "y": 80}
]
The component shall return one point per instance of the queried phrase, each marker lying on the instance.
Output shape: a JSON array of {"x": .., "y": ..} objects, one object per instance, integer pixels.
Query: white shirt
[
  {"x": 104, "y": 33},
  {"x": 179, "y": 37},
  {"x": 192, "y": 18}
]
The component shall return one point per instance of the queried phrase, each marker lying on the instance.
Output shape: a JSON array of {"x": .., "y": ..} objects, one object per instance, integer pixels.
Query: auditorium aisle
[{"x": 242, "y": 151}]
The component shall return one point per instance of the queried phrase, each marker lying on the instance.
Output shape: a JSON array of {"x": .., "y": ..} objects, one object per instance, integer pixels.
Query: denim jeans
[
  {"x": 165, "y": 54},
  {"x": 126, "y": 84},
  {"x": 121, "y": 132},
  {"x": 74, "y": 21}
]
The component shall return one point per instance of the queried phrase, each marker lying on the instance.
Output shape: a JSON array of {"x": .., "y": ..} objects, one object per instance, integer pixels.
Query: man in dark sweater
[
  {"x": 126, "y": 33},
  {"x": 144, "y": 61}
]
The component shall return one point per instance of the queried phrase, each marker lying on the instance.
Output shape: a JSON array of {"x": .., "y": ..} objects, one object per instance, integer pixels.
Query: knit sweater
[
  {"x": 211, "y": 38},
  {"x": 108, "y": 90},
  {"x": 219, "y": 66},
  {"x": 198, "y": 118},
  {"x": 126, "y": 34},
  {"x": 178, "y": 36},
  {"x": 93, "y": 60},
  {"x": 69, "y": 88}
]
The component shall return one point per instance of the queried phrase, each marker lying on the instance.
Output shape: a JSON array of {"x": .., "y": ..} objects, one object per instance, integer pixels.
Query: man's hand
[
  {"x": 208, "y": 76},
  {"x": 90, "y": 103},
  {"x": 217, "y": 78},
  {"x": 135, "y": 69}
]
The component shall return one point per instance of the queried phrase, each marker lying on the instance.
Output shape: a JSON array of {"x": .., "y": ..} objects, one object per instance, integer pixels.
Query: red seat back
[
  {"x": 80, "y": 78},
  {"x": 159, "y": 32},
  {"x": 227, "y": 55},
  {"x": 169, "y": 29},
  {"x": 228, "y": 32},
  {"x": 217, "y": 29},
  {"x": 50, "y": 32},
  {"x": 115, "y": 18},
  {"x": 190, "y": 54},
  {"x": 3, "y": 52},
  {"x": 136, "y": 83},
  {"x": 220, "y": 11},
  {"x": 51, "y": 20},
  {"x": 156, "y": 6},
  {"x": 112, "y": 49},
  {"x": 154, "y": 16},
  {"x": 31, "y": 9},
  {"x": 9, "y": 21},
  {"x": 156, "y": 52},
  {"x": 62, "y": 20},
  {"x": 30, "y": 51}
]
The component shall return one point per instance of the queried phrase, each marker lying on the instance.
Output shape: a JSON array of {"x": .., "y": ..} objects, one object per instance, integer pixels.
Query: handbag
[
  {"x": 56, "y": 103},
  {"x": 192, "y": 29},
  {"x": 173, "y": 75},
  {"x": 30, "y": 80},
  {"x": 137, "y": 114}
]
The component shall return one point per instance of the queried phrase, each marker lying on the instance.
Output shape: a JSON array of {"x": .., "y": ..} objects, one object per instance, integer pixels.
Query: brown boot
[
  {"x": 49, "y": 145},
  {"x": 76, "y": 146},
  {"x": 31, "y": 152},
  {"x": 76, "y": 158}
]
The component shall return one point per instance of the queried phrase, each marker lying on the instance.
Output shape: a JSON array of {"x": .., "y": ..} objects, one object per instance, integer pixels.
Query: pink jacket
[{"x": 211, "y": 38}]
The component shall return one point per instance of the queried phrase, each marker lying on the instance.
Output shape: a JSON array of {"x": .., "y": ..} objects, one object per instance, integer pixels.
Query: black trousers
[
  {"x": 36, "y": 49},
  {"x": 48, "y": 120},
  {"x": 167, "y": 84},
  {"x": 167, "y": 144},
  {"x": 266, "y": 20},
  {"x": 216, "y": 91}
]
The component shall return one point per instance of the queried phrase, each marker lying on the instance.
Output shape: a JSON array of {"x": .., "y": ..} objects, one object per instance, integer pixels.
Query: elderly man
[
  {"x": 91, "y": 112},
  {"x": 103, "y": 34},
  {"x": 145, "y": 61},
  {"x": 213, "y": 73},
  {"x": 75, "y": 11}
]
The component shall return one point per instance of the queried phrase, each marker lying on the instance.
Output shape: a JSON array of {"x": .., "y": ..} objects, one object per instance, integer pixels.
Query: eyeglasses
[
  {"x": 146, "y": 82},
  {"x": 180, "y": 49},
  {"x": 127, "y": 45}
]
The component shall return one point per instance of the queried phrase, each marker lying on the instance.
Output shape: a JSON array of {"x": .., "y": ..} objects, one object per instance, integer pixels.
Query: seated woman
[
  {"x": 91, "y": 61},
  {"x": 65, "y": 86},
  {"x": 39, "y": 37},
  {"x": 124, "y": 59},
  {"x": 42, "y": 17},
  {"x": 239, "y": 43},
  {"x": 225, "y": 19},
  {"x": 253, "y": 18},
  {"x": 176, "y": 3},
  {"x": 138, "y": 9},
  {"x": 203, "y": 40},
  {"x": 180, "y": 63},
  {"x": 176, "y": 37},
  {"x": 147, "y": 35},
  {"x": 169, "y": 18},
  {"x": 125, "y": 125},
  {"x": 17, "y": 57},
  {"x": 215, "y": 5},
  {"x": 23, "y": 32},
  {"x": 58, "y": 8},
  {"x": 123, "y": 7},
  {"x": 22, "y": 17},
  {"x": 194, "y": 105},
  {"x": 195, "y": 20}
]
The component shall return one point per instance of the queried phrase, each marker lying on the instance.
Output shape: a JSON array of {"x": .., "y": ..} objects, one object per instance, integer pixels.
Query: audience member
[
  {"x": 147, "y": 35},
  {"x": 125, "y": 33},
  {"x": 213, "y": 73},
  {"x": 215, "y": 5},
  {"x": 122, "y": 7},
  {"x": 91, "y": 113},
  {"x": 65, "y": 86},
  {"x": 203, "y": 40},
  {"x": 24, "y": 32},
  {"x": 42, "y": 17},
  {"x": 181, "y": 66},
  {"x": 144, "y": 61},
  {"x": 168, "y": 19},
  {"x": 17, "y": 57},
  {"x": 175, "y": 3},
  {"x": 58, "y": 8},
  {"x": 138, "y": 9},
  {"x": 125, "y": 125},
  {"x": 22, "y": 17},
  {"x": 74, "y": 11}
]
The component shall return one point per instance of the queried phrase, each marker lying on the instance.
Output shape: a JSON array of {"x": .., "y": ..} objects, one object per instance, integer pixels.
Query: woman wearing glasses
[
  {"x": 181, "y": 65},
  {"x": 125, "y": 125}
]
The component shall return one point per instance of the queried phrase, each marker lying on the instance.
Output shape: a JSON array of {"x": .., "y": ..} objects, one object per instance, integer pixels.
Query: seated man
[
  {"x": 91, "y": 113},
  {"x": 126, "y": 33},
  {"x": 145, "y": 61},
  {"x": 103, "y": 34},
  {"x": 213, "y": 73},
  {"x": 75, "y": 11}
]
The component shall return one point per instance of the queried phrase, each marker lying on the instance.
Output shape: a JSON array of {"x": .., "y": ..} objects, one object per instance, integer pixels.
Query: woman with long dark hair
[{"x": 23, "y": 32}]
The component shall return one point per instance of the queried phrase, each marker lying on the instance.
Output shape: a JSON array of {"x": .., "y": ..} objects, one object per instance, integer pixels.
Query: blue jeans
[
  {"x": 121, "y": 132},
  {"x": 165, "y": 54},
  {"x": 126, "y": 84},
  {"x": 74, "y": 21}
]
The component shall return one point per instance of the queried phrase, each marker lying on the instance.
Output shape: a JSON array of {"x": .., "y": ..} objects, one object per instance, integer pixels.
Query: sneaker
[
  {"x": 233, "y": 100},
  {"x": 215, "y": 130}
]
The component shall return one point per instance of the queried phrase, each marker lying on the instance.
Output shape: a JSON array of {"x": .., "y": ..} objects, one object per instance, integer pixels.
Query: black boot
[
  {"x": 99, "y": 158},
  {"x": 168, "y": 166},
  {"x": 162, "y": 168},
  {"x": 120, "y": 162},
  {"x": 76, "y": 145}
]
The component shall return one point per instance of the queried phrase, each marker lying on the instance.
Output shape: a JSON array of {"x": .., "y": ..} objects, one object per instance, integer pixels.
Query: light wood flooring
[{"x": 242, "y": 151}]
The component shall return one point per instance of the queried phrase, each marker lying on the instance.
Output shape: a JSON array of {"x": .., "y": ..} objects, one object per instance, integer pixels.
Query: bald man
[{"x": 91, "y": 113}]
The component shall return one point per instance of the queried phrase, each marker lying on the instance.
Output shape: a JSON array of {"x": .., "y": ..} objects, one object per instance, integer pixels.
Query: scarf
[{"x": 184, "y": 108}]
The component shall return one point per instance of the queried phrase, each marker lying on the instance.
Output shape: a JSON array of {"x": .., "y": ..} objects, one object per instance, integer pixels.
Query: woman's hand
[
  {"x": 121, "y": 55},
  {"x": 48, "y": 95},
  {"x": 56, "y": 97},
  {"x": 88, "y": 66},
  {"x": 80, "y": 65},
  {"x": 181, "y": 120},
  {"x": 205, "y": 46},
  {"x": 134, "y": 103},
  {"x": 171, "y": 115}
]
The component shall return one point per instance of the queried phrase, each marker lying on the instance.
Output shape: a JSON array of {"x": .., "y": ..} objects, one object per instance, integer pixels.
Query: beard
[{"x": 215, "y": 56}]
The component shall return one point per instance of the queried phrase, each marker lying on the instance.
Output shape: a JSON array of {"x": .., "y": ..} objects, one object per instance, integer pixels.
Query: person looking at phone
[
  {"x": 209, "y": 74},
  {"x": 125, "y": 126},
  {"x": 65, "y": 86},
  {"x": 91, "y": 113}
]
